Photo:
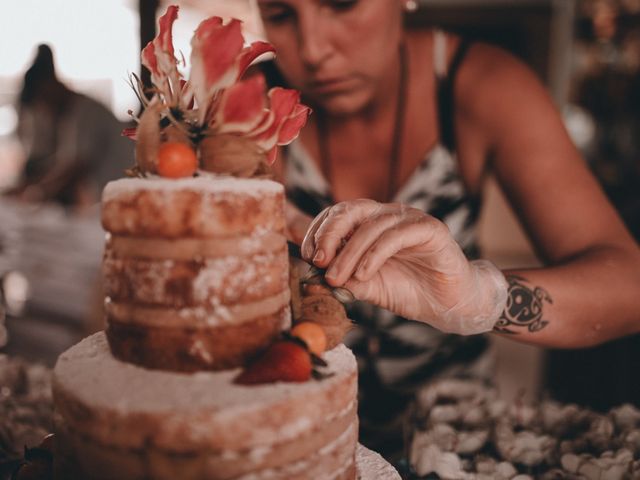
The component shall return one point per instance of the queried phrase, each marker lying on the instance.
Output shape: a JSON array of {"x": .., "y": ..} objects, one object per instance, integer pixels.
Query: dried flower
[{"x": 214, "y": 106}]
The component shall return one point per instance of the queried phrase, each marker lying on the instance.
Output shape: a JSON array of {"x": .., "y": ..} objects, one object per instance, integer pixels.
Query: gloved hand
[
  {"x": 297, "y": 223},
  {"x": 406, "y": 261}
]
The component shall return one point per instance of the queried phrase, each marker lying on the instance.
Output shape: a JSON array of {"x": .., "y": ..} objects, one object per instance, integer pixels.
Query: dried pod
[
  {"x": 296, "y": 294},
  {"x": 148, "y": 138},
  {"x": 264, "y": 171},
  {"x": 316, "y": 289},
  {"x": 173, "y": 133},
  {"x": 330, "y": 314},
  {"x": 230, "y": 154}
]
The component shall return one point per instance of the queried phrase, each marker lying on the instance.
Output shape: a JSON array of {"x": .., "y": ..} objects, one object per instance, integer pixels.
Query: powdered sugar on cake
[
  {"x": 89, "y": 370},
  {"x": 209, "y": 184}
]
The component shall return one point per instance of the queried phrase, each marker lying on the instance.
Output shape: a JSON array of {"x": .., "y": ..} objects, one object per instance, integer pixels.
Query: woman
[{"x": 418, "y": 119}]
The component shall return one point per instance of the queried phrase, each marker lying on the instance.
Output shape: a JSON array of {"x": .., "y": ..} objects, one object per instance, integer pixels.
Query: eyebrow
[{"x": 273, "y": 3}]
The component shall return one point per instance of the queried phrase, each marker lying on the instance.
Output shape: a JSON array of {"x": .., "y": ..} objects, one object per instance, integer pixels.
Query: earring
[{"x": 411, "y": 5}]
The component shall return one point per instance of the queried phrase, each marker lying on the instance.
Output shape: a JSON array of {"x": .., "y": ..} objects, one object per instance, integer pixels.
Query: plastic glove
[
  {"x": 297, "y": 223},
  {"x": 406, "y": 261}
]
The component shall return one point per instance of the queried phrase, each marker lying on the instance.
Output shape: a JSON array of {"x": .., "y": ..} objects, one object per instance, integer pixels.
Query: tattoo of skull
[{"x": 524, "y": 307}]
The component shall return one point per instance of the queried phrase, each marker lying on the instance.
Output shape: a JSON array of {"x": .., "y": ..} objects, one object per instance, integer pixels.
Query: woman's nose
[{"x": 313, "y": 41}]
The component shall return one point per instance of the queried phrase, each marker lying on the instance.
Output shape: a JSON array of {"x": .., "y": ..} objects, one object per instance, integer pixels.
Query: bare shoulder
[{"x": 494, "y": 86}]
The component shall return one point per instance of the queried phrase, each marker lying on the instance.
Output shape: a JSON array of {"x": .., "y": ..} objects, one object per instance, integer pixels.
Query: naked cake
[
  {"x": 195, "y": 270},
  {"x": 199, "y": 373}
]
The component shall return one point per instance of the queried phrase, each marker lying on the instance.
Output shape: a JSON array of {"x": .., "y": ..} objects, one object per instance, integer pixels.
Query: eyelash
[
  {"x": 342, "y": 5},
  {"x": 285, "y": 14},
  {"x": 279, "y": 17}
]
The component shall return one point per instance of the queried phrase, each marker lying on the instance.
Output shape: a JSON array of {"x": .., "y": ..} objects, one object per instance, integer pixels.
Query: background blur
[{"x": 586, "y": 51}]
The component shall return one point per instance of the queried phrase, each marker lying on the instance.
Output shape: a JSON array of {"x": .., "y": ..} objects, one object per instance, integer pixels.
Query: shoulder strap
[{"x": 446, "y": 97}]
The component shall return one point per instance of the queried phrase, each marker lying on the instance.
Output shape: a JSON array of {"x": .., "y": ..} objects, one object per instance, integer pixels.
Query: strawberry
[{"x": 283, "y": 361}]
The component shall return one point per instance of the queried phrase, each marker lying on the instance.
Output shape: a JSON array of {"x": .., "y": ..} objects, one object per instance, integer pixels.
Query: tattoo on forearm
[{"x": 524, "y": 307}]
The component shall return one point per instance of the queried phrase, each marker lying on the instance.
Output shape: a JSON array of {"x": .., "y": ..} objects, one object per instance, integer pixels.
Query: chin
[{"x": 342, "y": 105}]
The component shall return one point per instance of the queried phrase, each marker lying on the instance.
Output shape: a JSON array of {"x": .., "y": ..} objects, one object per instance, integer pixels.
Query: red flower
[
  {"x": 223, "y": 103},
  {"x": 158, "y": 56}
]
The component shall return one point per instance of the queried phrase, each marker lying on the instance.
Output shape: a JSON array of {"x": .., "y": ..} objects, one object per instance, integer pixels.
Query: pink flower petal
[
  {"x": 149, "y": 59},
  {"x": 129, "y": 132},
  {"x": 158, "y": 55},
  {"x": 283, "y": 104},
  {"x": 242, "y": 106},
  {"x": 264, "y": 124},
  {"x": 293, "y": 124},
  {"x": 268, "y": 138},
  {"x": 283, "y": 101},
  {"x": 164, "y": 39},
  {"x": 250, "y": 53},
  {"x": 215, "y": 48},
  {"x": 272, "y": 155}
]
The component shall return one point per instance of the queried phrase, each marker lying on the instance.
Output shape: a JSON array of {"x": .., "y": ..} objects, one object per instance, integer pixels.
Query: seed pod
[
  {"x": 172, "y": 133},
  {"x": 148, "y": 138},
  {"x": 230, "y": 154},
  {"x": 296, "y": 294},
  {"x": 330, "y": 314}
]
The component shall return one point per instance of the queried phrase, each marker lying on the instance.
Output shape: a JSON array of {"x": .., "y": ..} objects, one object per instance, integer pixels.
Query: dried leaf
[{"x": 148, "y": 138}]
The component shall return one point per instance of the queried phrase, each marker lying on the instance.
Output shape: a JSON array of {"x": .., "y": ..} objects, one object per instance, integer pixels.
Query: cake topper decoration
[{"x": 232, "y": 123}]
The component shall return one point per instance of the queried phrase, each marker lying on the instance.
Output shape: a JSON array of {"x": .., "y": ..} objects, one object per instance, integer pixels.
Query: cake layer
[
  {"x": 194, "y": 248},
  {"x": 175, "y": 347},
  {"x": 195, "y": 317},
  {"x": 76, "y": 455},
  {"x": 125, "y": 406},
  {"x": 192, "y": 207},
  {"x": 195, "y": 270},
  {"x": 327, "y": 457},
  {"x": 204, "y": 282}
]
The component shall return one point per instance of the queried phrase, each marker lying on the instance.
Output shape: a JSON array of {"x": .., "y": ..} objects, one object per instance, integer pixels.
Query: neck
[
  {"x": 386, "y": 99},
  {"x": 380, "y": 118},
  {"x": 382, "y": 106}
]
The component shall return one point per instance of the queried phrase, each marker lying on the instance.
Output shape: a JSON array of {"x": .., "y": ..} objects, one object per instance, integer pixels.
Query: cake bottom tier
[
  {"x": 368, "y": 466},
  {"x": 118, "y": 420},
  {"x": 79, "y": 457}
]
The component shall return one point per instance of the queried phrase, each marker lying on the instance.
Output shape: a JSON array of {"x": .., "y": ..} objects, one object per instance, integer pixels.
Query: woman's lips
[{"x": 332, "y": 85}]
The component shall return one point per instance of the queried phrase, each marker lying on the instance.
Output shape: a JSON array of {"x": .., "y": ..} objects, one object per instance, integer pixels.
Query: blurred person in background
[
  {"x": 72, "y": 142},
  {"x": 412, "y": 121}
]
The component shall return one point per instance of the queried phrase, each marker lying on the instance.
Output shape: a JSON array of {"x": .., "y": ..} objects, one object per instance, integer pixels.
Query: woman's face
[{"x": 340, "y": 54}]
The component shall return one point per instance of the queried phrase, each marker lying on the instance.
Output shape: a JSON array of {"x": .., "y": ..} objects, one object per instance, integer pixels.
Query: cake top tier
[
  {"x": 206, "y": 184},
  {"x": 205, "y": 207}
]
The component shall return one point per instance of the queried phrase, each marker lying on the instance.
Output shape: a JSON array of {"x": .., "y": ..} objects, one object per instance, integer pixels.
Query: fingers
[
  {"x": 297, "y": 223},
  {"x": 308, "y": 246},
  {"x": 355, "y": 239},
  {"x": 328, "y": 230},
  {"x": 367, "y": 233},
  {"x": 426, "y": 232}
]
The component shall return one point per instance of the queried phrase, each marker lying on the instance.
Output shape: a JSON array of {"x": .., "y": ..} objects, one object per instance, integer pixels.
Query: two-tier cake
[
  {"x": 197, "y": 287},
  {"x": 198, "y": 374}
]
